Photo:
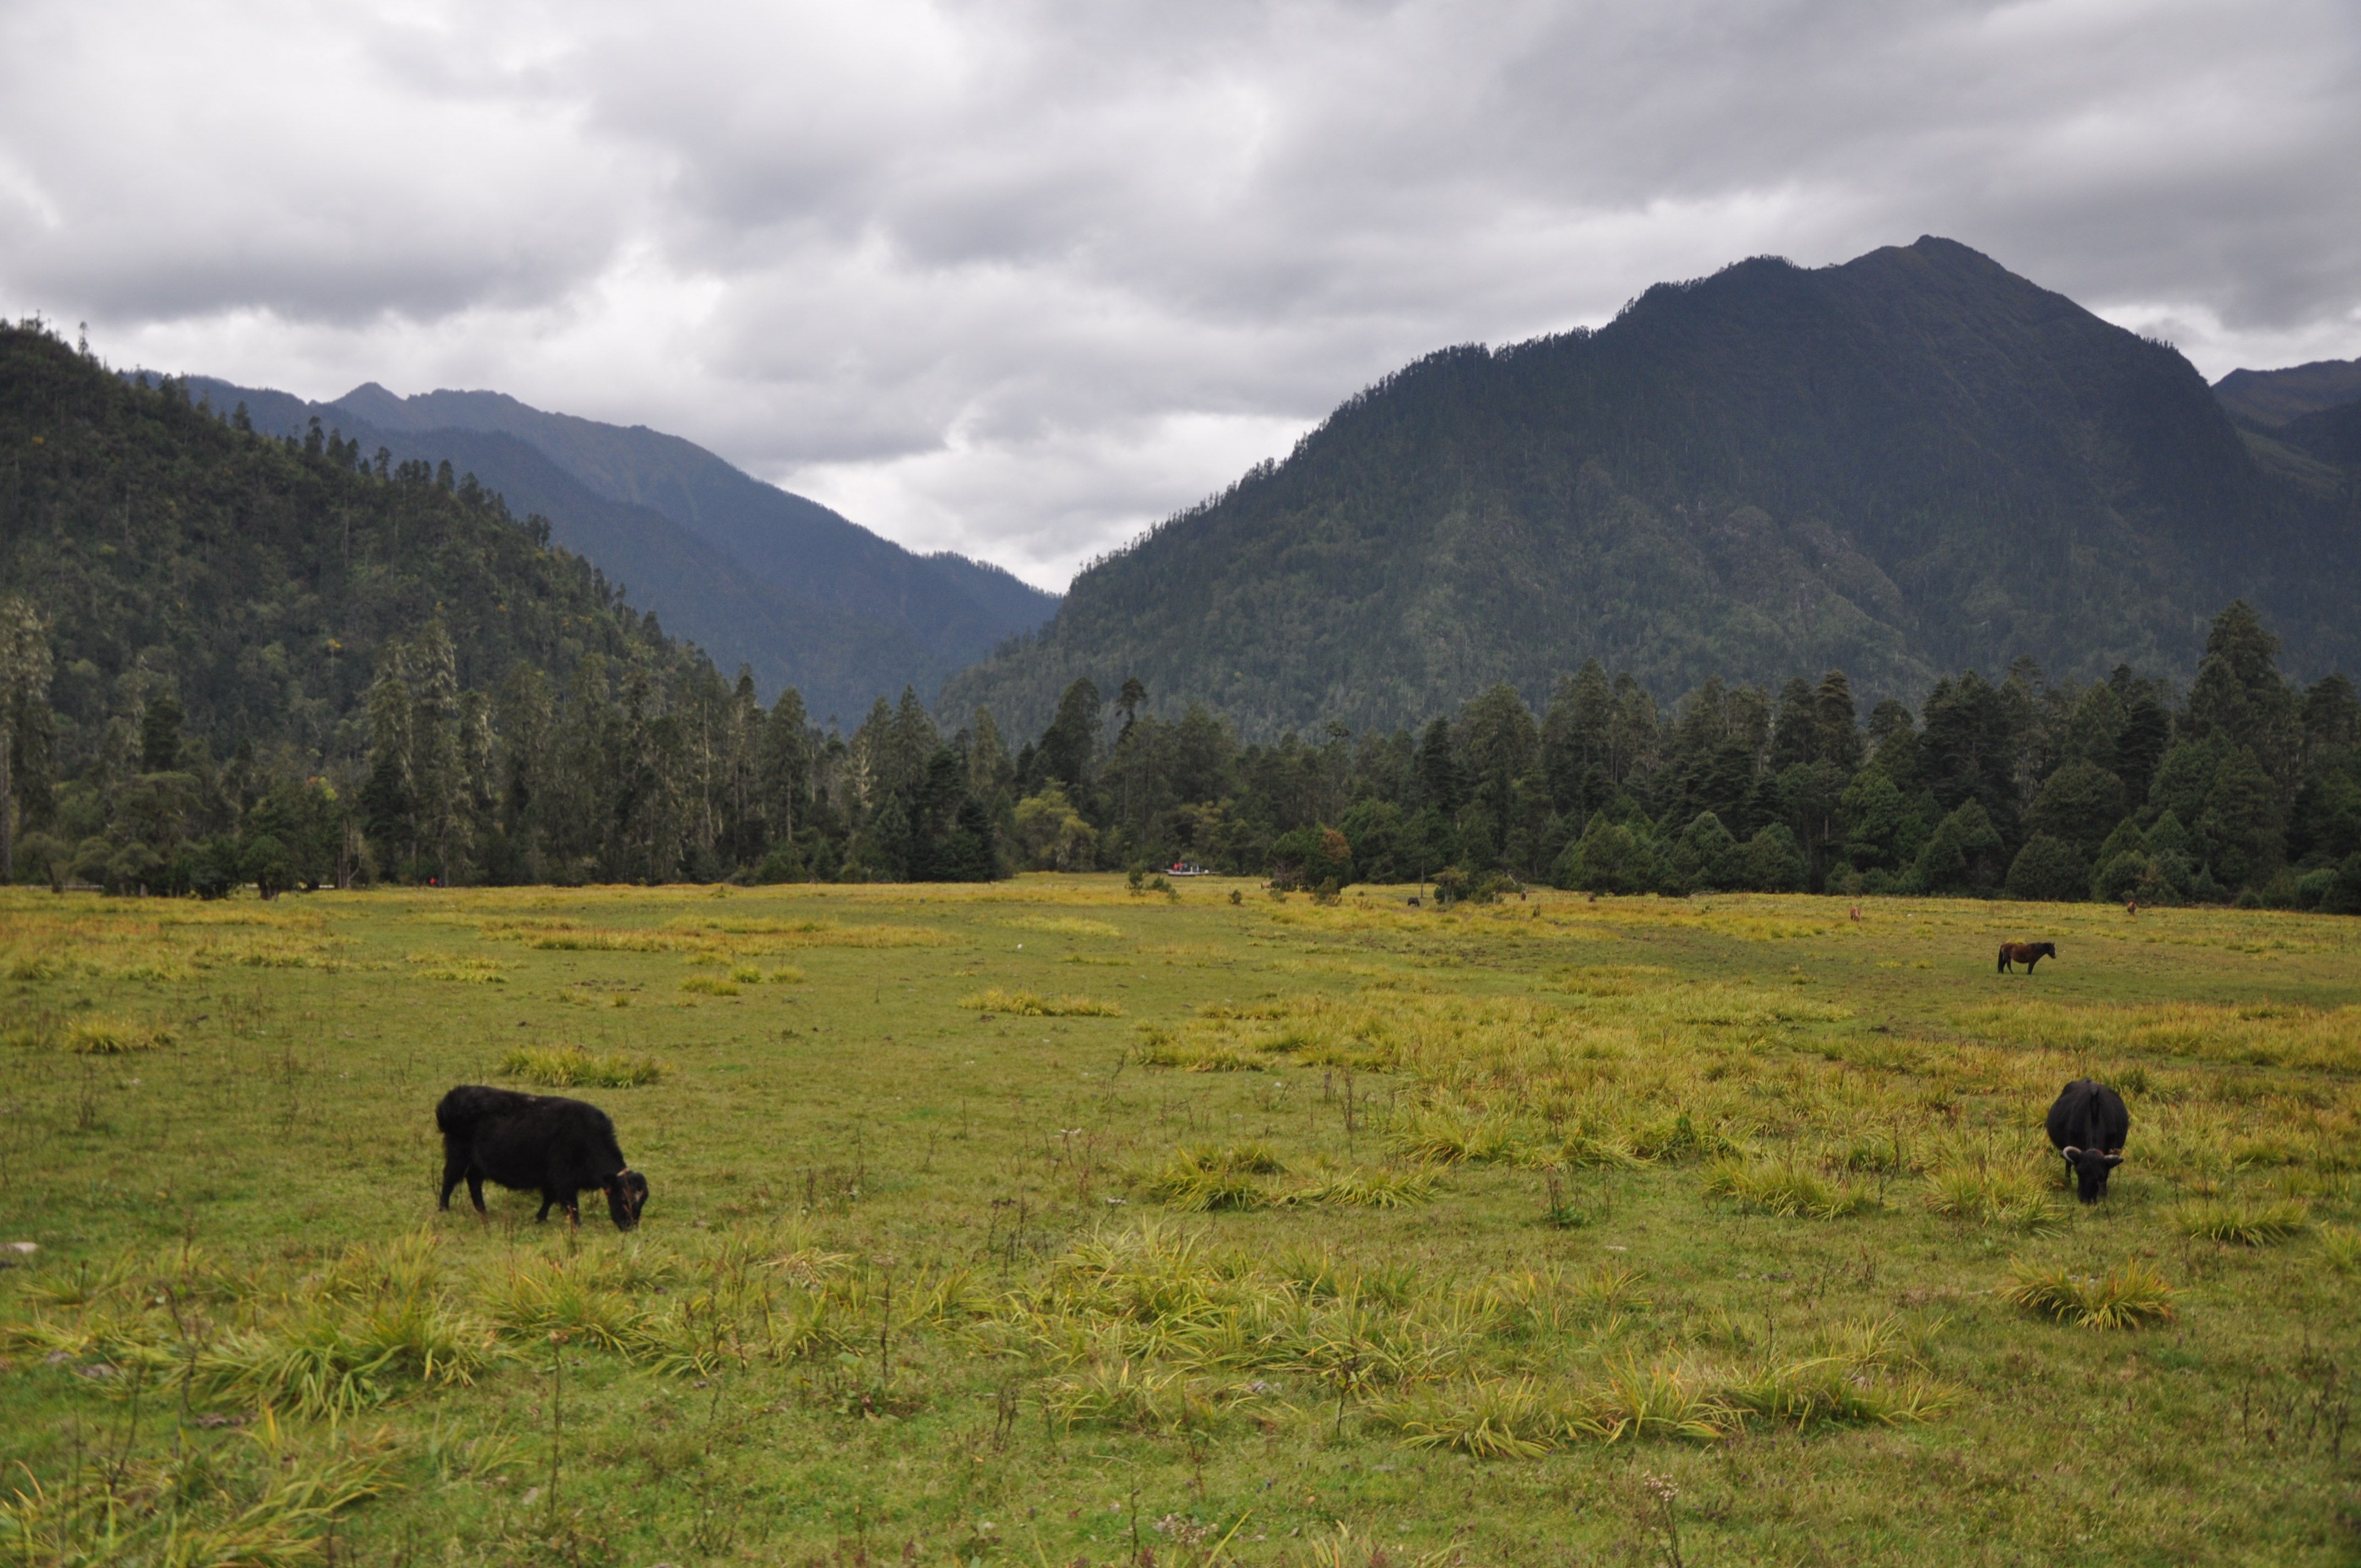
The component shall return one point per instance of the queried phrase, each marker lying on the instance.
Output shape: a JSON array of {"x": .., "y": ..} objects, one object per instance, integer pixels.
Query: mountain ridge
[
  {"x": 2271, "y": 398},
  {"x": 801, "y": 594},
  {"x": 1898, "y": 465}
]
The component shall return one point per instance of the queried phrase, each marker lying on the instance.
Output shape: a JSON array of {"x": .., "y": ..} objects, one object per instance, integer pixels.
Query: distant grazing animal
[
  {"x": 542, "y": 1143},
  {"x": 2026, "y": 953},
  {"x": 2088, "y": 1125}
]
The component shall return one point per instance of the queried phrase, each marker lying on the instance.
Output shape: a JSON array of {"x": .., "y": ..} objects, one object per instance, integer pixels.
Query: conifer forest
[{"x": 229, "y": 659}]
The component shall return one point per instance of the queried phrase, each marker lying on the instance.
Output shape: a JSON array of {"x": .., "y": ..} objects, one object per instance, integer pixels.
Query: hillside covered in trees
[
  {"x": 753, "y": 573},
  {"x": 1905, "y": 465},
  {"x": 2247, "y": 787},
  {"x": 231, "y": 658}
]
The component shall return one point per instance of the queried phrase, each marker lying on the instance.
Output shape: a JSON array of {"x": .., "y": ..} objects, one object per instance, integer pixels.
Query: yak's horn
[{"x": 2070, "y": 1151}]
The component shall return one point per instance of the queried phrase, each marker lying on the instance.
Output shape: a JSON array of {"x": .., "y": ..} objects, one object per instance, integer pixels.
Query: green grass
[
  {"x": 1502, "y": 1235},
  {"x": 571, "y": 1067}
]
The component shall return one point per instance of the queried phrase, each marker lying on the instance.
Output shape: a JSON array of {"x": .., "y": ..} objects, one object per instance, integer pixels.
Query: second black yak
[
  {"x": 527, "y": 1142},
  {"x": 2088, "y": 1125}
]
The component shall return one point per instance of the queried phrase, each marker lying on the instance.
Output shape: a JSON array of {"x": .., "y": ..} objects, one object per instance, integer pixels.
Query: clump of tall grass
[
  {"x": 1448, "y": 1135},
  {"x": 1633, "y": 1400},
  {"x": 1363, "y": 1188},
  {"x": 709, "y": 985},
  {"x": 2341, "y": 1247},
  {"x": 1199, "y": 1180},
  {"x": 1143, "y": 1399},
  {"x": 1785, "y": 1188},
  {"x": 1025, "y": 1005},
  {"x": 467, "y": 970},
  {"x": 540, "y": 1297},
  {"x": 571, "y": 1067},
  {"x": 2124, "y": 1297},
  {"x": 110, "y": 1034},
  {"x": 1492, "y": 1418},
  {"x": 2239, "y": 1224},
  {"x": 326, "y": 1358},
  {"x": 201, "y": 1506},
  {"x": 2011, "y": 1198}
]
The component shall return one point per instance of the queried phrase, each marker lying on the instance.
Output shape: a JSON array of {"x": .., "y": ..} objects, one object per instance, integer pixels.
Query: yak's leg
[
  {"x": 455, "y": 1170},
  {"x": 476, "y": 1191}
]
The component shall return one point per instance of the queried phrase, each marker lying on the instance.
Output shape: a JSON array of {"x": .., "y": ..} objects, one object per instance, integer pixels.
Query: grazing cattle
[
  {"x": 2026, "y": 953},
  {"x": 2088, "y": 1125},
  {"x": 529, "y": 1143}
]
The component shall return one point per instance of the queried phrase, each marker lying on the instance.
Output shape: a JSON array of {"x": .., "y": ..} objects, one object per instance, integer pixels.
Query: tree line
[{"x": 2245, "y": 787}]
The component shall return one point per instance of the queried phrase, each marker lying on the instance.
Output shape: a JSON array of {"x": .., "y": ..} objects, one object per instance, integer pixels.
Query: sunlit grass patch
[
  {"x": 571, "y": 1067},
  {"x": 1026, "y": 1004},
  {"x": 1786, "y": 1189},
  {"x": 1365, "y": 1188},
  {"x": 2239, "y": 1224},
  {"x": 2011, "y": 1198},
  {"x": 465, "y": 969},
  {"x": 1063, "y": 926},
  {"x": 269, "y": 1501},
  {"x": 709, "y": 985},
  {"x": 110, "y": 1034},
  {"x": 1144, "y": 1398},
  {"x": 1449, "y": 1134},
  {"x": 1492, "y": 1418},
  {"x": 1208, "y": 1178},
  {"x": 2281, "y": 1036},
  {"x": 2124, "y": 1297},
  {"x": 2340, "y": 1247}
]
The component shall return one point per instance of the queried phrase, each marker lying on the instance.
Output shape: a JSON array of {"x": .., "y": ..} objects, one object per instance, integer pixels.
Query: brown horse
[{"x": 2026, "y": 953}]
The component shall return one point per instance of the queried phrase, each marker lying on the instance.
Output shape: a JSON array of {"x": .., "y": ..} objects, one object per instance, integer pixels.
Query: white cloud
[{"x": 1016, "y": 278}]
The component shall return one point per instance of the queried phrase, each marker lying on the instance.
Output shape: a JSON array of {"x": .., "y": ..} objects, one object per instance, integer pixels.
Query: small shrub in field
[
  {"x": 709, "y": 985},
  {"x": 786, "y": 974},
  {"x": 104, "y": 1036},
  {"x": 2341, "y": 1245},
  {"x": 1025, "y": 1005},
  {"x": 2239, "y": 1224},
  {"x": 1783, "y": 1189},
  {"x": 571, "y": 1067},
  {"x": 746, "y": 974},
  {"x": 2012, "y": 1198},
  {"x": 2123, "y": 1298}
]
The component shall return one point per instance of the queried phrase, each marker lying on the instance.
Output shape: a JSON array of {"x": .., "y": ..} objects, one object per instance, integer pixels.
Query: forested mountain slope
[
  {"x": 702, "y": 593},
  {"x": 256, "y": 578},
  {"x": 850, "y": 614},
  {"x": 1908, "y": 464}
]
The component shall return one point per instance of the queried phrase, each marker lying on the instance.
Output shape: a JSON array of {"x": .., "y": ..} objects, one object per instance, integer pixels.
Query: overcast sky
[{"x": 1019, "y": 279}]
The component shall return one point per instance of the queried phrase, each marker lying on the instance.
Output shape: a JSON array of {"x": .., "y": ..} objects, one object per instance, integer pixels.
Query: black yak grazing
[
  {"x": 542, "y": 1143},
  {"x": 2088, "y": 1125}
]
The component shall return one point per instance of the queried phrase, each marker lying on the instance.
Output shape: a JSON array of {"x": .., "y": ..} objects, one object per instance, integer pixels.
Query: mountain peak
[{"x": 1898, "y": 465}]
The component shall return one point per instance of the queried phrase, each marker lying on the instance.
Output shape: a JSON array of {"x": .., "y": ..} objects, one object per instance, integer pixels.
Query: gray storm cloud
[{"x": 1019, "y": 278}]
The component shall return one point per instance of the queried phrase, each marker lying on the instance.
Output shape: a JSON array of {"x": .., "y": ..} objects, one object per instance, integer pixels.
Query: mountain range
[
  {"x": 1899, "y": 466},
  {"x": 752, "y": 573}
]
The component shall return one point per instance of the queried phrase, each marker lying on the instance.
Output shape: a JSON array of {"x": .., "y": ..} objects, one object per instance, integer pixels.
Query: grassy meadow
[{"x": 1050, "y": 1223}]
